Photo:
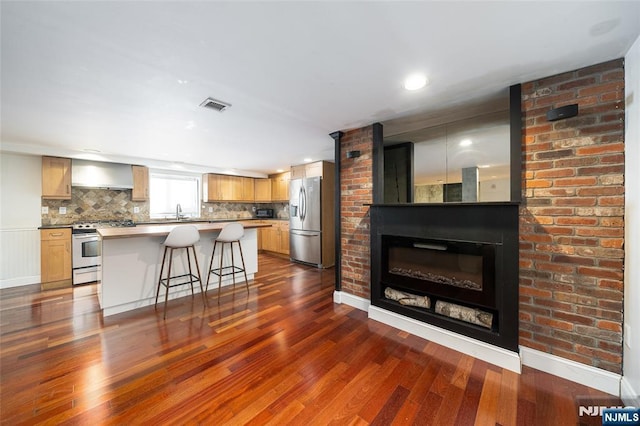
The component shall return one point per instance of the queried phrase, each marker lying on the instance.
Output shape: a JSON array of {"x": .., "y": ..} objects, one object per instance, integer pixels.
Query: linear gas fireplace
[{"x": 452, "y": 266}]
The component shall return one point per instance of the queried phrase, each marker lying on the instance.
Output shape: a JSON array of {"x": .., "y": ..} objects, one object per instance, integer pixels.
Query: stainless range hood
[{"x": 96, "y": 174}]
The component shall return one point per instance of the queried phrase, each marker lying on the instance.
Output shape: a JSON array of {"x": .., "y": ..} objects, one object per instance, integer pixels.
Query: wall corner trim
[
  {"x": 592, "y": 377},
  {"x": 629, "y": 395},
  {"x": 351, "y": 300}
]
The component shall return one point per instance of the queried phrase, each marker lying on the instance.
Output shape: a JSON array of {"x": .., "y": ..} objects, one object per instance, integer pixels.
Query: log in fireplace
[{"x": 453, "y": 266}]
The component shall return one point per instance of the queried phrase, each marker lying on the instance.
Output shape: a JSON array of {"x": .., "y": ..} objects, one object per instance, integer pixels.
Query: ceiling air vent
[{"x": 214, "y": 104}]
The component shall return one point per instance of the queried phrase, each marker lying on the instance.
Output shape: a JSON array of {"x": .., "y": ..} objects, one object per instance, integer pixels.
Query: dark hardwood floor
[{"x": 284, "y": 354}]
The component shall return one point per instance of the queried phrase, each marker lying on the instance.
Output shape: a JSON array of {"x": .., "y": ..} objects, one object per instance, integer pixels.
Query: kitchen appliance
[
  {"x": 305, "y": 221},
  {"x": 98, "y": 174},
  {"x": 264, "y": 213},
  {"x": 85, "y": 247}
]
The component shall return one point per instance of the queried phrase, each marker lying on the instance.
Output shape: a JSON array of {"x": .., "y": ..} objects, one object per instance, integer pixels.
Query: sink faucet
[{"x": 178, "y": 211}]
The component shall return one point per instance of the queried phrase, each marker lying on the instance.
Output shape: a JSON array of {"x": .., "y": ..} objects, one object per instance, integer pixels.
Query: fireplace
[{"x": 452, "y": 266}]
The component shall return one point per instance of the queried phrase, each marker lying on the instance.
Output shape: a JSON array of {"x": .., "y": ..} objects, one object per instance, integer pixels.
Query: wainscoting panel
[{"x": 19, "y": 257}]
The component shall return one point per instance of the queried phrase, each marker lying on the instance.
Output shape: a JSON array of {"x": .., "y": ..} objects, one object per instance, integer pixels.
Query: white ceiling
[{"x": 126, "y": 78}]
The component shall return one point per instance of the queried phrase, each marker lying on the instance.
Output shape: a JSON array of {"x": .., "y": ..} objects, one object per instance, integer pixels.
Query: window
[{"x": 168, "y": 189}]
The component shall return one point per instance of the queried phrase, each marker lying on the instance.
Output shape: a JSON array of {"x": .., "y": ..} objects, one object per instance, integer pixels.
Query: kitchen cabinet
[
  {"x": 262, "y": 189},
  {"x": 318, "y": 168},
  {"x": 55, "y": 256},
  {"x": 280, "y": 186},
  {"x": 217, "y": 187},
  {"x": 140, "y": 190},
  {"x": 56, "y": 178},
  {"x": 274, "y": 239},
  {"x": 248, "y": 189}
]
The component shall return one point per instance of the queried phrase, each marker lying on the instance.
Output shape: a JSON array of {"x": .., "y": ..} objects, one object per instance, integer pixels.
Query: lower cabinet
[
  {"x": 55, "y": 257},
  {"x": 274, "y": 239}
]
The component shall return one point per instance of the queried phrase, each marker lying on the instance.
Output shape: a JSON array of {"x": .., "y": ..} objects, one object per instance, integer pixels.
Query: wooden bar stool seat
[
  {"x": 180, "y": 237},
  {"x": 231, "y": 233}
]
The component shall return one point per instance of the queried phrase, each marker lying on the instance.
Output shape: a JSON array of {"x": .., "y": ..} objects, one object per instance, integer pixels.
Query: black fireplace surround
[{"x": 465, "y": 254}]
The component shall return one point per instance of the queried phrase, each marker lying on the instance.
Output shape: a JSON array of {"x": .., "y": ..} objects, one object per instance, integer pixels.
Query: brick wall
[
  {"x": 356, "y": 183},
  {"x": 572, "y": 219}
]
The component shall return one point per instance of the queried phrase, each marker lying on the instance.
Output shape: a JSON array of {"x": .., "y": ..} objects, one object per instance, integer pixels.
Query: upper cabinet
[
  {"x": 280, "y": 186},
  {"x": 262, "y": 189},
  {"x": 319, "y": 168},
  {"x": 227, "y": 188},
  {"x": 140, "y": 190},
  {"x": 56, "y": 178}
]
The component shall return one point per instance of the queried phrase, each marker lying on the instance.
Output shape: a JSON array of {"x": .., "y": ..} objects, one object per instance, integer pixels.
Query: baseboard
[
  {"x": 629, "y": 395},
  {"x": 18, "y": 282},
  {"x": 351, "y": 300},
  {"x": 593, "y": 377},
  {"x": 475, "y": 348}
]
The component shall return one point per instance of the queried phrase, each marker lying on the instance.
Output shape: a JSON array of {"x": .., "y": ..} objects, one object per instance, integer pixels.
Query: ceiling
[{"x": 126, "y": 78}]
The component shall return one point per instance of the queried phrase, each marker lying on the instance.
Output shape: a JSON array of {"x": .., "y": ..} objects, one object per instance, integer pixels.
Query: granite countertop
[{"x": 54, "y": 226}]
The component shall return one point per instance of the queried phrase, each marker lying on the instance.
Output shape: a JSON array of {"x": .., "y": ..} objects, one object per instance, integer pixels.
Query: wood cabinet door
[
  {"x": 271, "y": 241},
  {"x": 280, "y": 187},
  {"x": 262, "y": 189},
  {"x": 56, "y": 178},
  {"x": 248, "y": 190},
  {"x": 140, "y": 190},
  {"x": 55, "y": 255},
  {"x": 313, "y": 169},
  {"x": 284, "y": 239}
]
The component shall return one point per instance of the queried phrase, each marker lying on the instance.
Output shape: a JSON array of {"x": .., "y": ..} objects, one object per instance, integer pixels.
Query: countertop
[{"x": 162, "y": 229}]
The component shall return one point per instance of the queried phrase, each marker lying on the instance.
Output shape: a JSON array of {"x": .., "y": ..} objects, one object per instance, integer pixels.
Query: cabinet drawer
[{"x": 55, "y": 234}]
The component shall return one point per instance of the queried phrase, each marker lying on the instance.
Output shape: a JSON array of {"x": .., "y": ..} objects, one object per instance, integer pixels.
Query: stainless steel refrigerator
[{"x": 305, "y": 220}]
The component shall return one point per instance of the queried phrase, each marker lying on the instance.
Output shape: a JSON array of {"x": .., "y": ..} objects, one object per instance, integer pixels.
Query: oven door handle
[{"x": 84, "y": 236}]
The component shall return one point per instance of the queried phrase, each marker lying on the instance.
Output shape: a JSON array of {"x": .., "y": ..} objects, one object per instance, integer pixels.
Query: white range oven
[{"x": 86, "y": 255}]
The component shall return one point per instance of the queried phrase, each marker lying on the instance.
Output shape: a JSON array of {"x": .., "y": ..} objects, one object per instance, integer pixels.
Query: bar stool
[
  {"x": 231, "y": 233},
  {"x": 180, "y": 237}
]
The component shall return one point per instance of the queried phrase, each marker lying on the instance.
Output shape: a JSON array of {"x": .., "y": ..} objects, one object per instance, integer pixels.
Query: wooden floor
[{"x": 284, "y": 354}]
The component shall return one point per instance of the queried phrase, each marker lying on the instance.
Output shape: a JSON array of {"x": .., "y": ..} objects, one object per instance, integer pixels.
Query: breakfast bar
[{"x": 132, "y": 257}]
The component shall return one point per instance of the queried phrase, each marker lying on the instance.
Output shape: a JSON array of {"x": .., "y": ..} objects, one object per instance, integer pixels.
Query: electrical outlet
[
  {"x": 627, "y": 335},
  {"x": 44, "y": 210},
  {"x": 62, "y": 210},
  {"x": 136, "y": 209},
  {"x": 210, "y": 209}
]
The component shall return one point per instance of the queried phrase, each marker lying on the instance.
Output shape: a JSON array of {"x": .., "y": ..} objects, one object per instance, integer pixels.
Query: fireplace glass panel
[
  {"x": 442, "y": 267},
  {"x": 455, "y": 271}
]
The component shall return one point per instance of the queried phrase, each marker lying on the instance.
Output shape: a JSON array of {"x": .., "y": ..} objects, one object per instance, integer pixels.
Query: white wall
[
  {"x": 20, "y": 190},
  {"x": 631, "y": 358}
]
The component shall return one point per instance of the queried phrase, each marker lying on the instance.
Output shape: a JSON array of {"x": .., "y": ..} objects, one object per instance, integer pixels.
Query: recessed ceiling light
[
  {"x": 96, "y": 151},
  {"x": 307, "y": 160},
  {"x": 183, "y": 81},
  {"x": 465, "y": 142},
  {"x": 484, "y": 166},
  {"x": 415, "y": 81},
  {"x": 280, "y": 170}
]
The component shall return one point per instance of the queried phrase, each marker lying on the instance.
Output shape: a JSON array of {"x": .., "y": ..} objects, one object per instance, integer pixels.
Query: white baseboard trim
[
  {"x": 629, "y": 395},
  {"x": 593, "y": 377},
  {"x": 351, "y": 300},
  {"x": 18, "y": 282},
  {"x": 475, "y": 348}
]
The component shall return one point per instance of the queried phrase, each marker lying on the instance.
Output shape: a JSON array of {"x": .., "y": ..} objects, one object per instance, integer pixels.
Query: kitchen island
[{"x": 132, "y": 257}]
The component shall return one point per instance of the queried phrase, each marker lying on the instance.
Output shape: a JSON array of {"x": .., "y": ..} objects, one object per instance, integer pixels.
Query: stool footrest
[
  {"x": 219, "y": 271},
  {"x": 186, "y": 279}
]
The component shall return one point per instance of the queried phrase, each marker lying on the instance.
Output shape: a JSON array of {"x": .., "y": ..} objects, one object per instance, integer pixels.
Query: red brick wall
[
  {"x": 356, "y": 183},
  {"x": 572, "y": 219}
]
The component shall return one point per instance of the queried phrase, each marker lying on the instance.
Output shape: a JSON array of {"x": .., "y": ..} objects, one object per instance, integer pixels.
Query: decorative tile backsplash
[{"x": 91, "y": 205}]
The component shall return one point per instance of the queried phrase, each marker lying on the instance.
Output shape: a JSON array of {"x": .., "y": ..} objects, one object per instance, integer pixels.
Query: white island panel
[{"x": 131, "y": 267}]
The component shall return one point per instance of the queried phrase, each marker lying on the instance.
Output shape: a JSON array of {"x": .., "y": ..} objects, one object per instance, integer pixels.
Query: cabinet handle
[
  {"x": 68, "y": 187},
  {"x": 56, "y": 234}
]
